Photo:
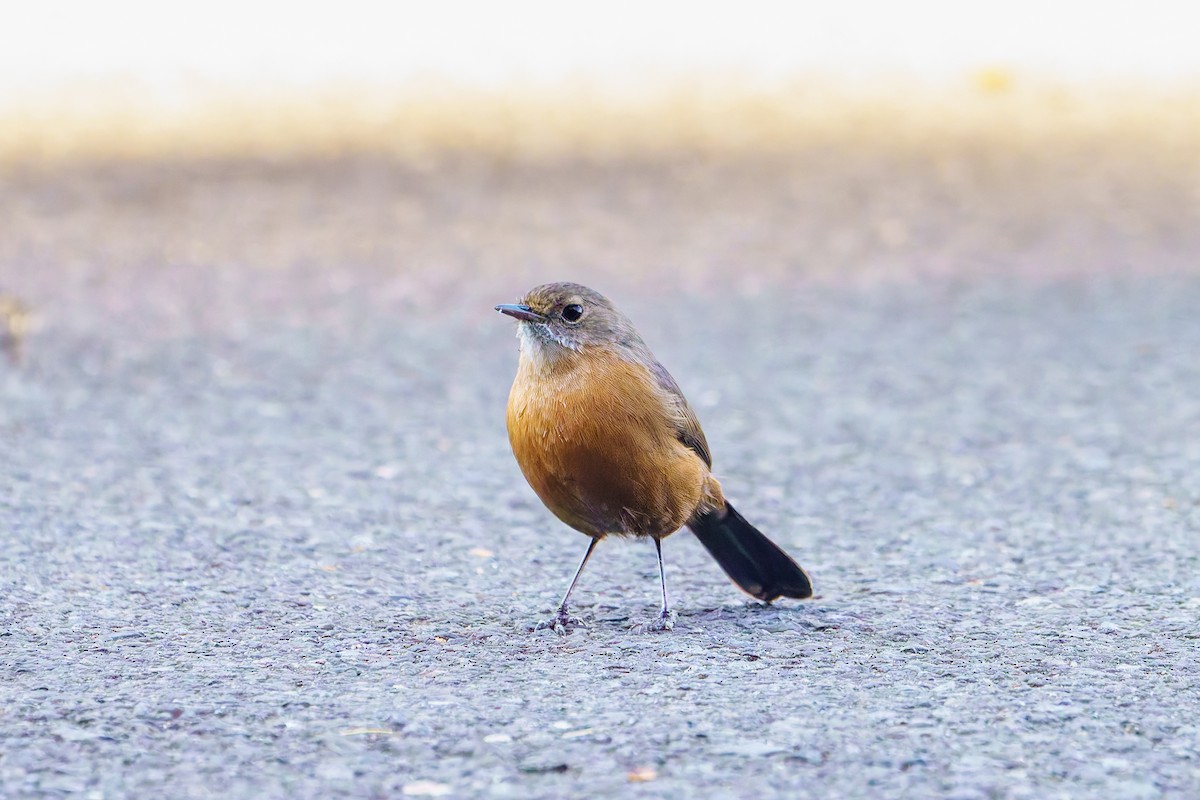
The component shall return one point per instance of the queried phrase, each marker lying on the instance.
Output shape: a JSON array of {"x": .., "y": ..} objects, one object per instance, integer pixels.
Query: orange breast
[{"x": 596, "y": 443}]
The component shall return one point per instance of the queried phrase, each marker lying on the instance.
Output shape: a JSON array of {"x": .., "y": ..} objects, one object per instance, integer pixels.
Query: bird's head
[{"x": 561, "y": 318}]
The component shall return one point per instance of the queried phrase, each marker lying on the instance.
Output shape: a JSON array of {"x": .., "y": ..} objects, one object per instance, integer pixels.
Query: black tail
[{"x": 756, "y": 564}]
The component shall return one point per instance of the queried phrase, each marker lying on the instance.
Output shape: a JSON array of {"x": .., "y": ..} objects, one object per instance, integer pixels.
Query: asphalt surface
[{"x": 263, "y": 537}]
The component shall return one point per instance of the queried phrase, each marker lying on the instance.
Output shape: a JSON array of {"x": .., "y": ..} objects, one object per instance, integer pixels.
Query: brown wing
[{"x": 687, "y": 427}]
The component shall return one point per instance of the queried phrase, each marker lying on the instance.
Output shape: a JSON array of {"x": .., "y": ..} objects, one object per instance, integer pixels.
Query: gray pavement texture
[{"x": 263, "y": 536}]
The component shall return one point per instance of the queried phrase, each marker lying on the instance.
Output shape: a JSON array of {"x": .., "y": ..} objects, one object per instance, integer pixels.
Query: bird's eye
[{"x": 572, "y": 313}]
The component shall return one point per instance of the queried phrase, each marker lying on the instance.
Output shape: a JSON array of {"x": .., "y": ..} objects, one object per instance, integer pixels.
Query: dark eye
[{"x": 572, "y": 313}]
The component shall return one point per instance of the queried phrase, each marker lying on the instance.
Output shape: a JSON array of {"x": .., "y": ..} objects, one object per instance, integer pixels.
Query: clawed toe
[
  {"x": 664, "y": 622},
  {"x": 561, "y": 623}
]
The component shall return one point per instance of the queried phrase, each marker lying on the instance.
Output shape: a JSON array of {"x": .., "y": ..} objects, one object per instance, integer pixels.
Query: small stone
[
  {"x": 578, "y": 734},
  {"x": 641, "y": 775},
  {"x": 426, "y": 789}
]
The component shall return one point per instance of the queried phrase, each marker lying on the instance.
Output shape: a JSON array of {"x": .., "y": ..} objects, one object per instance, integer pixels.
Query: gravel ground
[{"x": 263, "y": 536}]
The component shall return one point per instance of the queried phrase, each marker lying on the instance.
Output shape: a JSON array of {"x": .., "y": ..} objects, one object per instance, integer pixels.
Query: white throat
[{"x": 540, "y": 346}]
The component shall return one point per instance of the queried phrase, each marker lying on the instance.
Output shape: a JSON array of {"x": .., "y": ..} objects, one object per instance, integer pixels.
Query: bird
[{"x": 608, "y": 442}]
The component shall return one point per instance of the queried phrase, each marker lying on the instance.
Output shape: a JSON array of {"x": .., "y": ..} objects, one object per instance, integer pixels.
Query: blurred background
[
  {"x": 893, "y": 121},
  {"x": 135, "y": 78},
  {"x": 228, "y": 144},
  {"x": 802, "y": 138}
]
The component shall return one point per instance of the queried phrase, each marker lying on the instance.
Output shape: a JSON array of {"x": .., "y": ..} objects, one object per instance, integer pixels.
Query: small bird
[{"x": 608, "y": 442}]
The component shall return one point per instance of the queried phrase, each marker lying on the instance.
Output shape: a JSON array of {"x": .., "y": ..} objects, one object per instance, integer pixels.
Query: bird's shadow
[{"x": 811, "y": 616}]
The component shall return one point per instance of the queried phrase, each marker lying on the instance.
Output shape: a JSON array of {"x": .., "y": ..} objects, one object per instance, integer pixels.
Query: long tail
[{"x": 756, "y": 564}]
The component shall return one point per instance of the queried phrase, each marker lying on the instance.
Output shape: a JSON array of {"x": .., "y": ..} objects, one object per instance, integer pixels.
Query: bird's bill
[{"x": 524, "y": 313}]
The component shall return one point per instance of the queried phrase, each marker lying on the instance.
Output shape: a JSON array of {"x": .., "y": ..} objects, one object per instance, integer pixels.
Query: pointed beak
[{"x": 521, "y": 312}]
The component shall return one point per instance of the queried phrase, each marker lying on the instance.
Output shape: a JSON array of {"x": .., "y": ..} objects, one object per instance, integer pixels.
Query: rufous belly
[{"x": 598, "y": 447}]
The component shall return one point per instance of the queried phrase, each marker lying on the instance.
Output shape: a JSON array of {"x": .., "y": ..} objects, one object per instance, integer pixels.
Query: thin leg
[
  {"x": 666, "y": 619},
  {"x": 563, "y": 605},
  {"x": 662, "y": 576},
  {"x": 563, "y": 620}
]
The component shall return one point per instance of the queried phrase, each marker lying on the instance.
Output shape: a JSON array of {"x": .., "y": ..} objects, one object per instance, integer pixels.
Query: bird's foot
[
  {"x": 664, "y": 622},
  {"x": 561, "y": 623}
]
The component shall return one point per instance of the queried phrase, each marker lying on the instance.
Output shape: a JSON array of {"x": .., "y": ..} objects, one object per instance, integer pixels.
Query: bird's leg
[
  {"x": 562, "y": 621},
  {"x": 666, "y": 619}
]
